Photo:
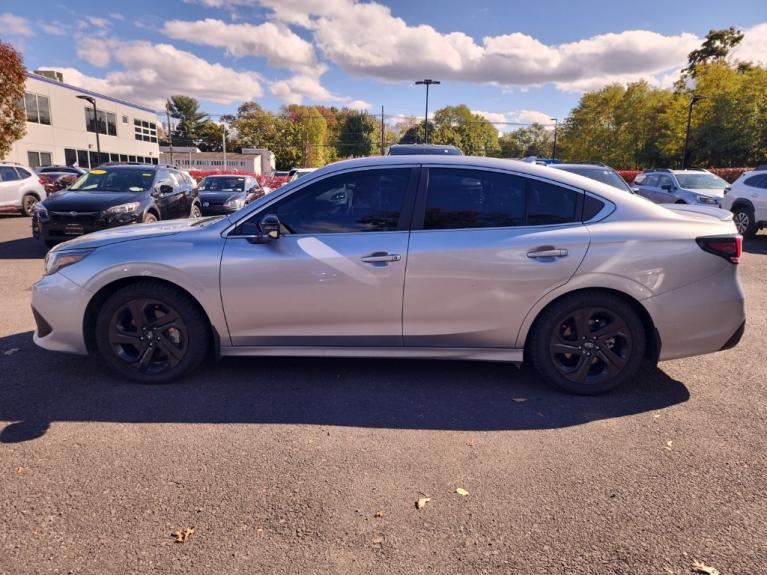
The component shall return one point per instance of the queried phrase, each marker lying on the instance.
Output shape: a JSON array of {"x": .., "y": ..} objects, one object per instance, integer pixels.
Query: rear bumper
[
  {"x": 58, "y": 305},
  {"x": 703, "y": 317}
]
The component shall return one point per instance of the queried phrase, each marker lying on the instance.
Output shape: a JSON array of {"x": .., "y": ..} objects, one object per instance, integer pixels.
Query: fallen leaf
[
  {"x": 377, "y": 540},
  {"x": 700, "y": 567},
  {"x": 668, "y": 445},
  {"x": 378, "y": 514},
  {"x": 422, "y": 501},
  {"x": 462, "y": 491},
  {"x": 183, "y": 536},
  {"x": 519, "y": 399},
  {"x": 259, "y": 530},
  {"x": 19, "y": 470},
  {"x": 470, "y": 443},
  {"x": 11, "y": 351}
]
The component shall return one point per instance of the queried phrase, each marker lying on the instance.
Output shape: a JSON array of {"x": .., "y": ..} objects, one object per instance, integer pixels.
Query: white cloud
[
  {"x": 359, "y": 105},
  {"x": 53, "y": 28},
  {"x": 392, "y": 49},
  {"x": 117, "y": 16},
  {"x": 494, "y": 117},
  {"x": 530, "y": 117},
  {"x": 150, "y": 73},
  {"x": 13, "y": 25},
  {"x": 276, "y": 42},
  {"x": 95, "y": 51},
  {"x": 753, "y": 48},
  {"x": 98, "y": 22}
]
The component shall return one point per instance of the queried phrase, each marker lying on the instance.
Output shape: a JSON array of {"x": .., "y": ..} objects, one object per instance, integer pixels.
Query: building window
[
  {"x": 82, "y": 159},
  {"x": 107, "y": 122},
  {"x": 125, "y": 119},
  {"x": 70, "y": 156},
  {"x": 37, "y": 109},
  {"x": 37, "y": 159},
  {"x": 145, "y": 131}
]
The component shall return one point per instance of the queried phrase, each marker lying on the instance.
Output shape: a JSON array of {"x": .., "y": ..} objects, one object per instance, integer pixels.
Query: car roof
[{"x": 581, "y": 166}]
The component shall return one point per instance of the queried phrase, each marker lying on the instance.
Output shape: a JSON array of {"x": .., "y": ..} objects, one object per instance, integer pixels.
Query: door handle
[
  {"x": 547, "y": 253},
  {"x": 377, "y": 257}
]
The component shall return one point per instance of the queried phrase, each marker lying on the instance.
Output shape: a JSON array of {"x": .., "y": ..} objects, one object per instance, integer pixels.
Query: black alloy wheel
[
  {"x": 588, "y": 343},
  {"x": 152, "y": 332},
  {"x": 148, "y": 335}
]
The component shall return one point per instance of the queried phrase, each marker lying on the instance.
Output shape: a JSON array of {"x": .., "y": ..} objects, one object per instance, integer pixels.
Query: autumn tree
[{"x": 13, "y": 77}]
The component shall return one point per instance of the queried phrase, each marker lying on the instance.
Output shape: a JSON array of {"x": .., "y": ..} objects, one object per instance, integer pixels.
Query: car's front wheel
[
  {"x": 588, "y": 343},
  {"x": 28, "y": 204},
  {"x": 196, "y": 212},
  {"x": 745, "y": 221},
  {"x": 149, "y": 218},
  {"x": 151, "y": 332}
]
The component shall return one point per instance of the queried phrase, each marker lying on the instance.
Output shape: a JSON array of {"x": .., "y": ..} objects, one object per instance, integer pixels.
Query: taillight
[{"x": 729, "y": 247}]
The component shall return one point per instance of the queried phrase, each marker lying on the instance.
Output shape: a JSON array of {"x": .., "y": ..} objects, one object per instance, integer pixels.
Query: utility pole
[
  {"x": 382, "y": 131},
  {"x": 92, "y": 100},
  {"x": 554, "y": 150},
  {"x": 694, "y": 98},
  {"x": 303, "y": 160},
  {"x": 170, "y": 132},
  {"x": 223, "y": 141},
  {"x": 427, "y": 82}
]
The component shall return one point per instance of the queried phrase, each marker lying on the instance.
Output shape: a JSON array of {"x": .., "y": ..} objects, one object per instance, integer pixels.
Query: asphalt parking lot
[{"x": 315, "y": 465}]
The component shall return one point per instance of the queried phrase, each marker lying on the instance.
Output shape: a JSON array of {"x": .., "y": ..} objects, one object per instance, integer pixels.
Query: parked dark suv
[{"x": 115, "y": 195}]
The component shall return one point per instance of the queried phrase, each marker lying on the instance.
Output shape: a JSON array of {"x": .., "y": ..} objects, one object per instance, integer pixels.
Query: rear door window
[
  {"x": 757, "y": 182},
  {"x": 8, "y": 174}
]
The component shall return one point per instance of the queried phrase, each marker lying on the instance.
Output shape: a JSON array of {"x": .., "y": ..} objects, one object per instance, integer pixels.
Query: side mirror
[
  {"x": 270, "y": 230},
  {"x": 162, "y": 189}
]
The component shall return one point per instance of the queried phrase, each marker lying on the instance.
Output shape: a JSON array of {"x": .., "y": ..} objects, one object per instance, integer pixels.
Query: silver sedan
[{"x": 450, "y": 257}]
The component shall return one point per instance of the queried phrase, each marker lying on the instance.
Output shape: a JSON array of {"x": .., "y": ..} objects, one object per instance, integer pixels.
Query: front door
[
  {"x": 9, "y": 187},
  {"x": 335, "y": 275},
  {"x": 491, "y": 244}
]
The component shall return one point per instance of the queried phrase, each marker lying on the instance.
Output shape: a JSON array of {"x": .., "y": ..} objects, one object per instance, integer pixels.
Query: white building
[
  {"x": 253, "y": 160},
  {"x": 61, "y": 128}
]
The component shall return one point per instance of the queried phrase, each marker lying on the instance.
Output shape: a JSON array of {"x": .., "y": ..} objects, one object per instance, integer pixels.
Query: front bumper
[
  {"x": 216, "y": 209},
  {"x": 58, "y": 305},
  {"x": 64, "y": 227},
  {"x": 703, "y": 317}
]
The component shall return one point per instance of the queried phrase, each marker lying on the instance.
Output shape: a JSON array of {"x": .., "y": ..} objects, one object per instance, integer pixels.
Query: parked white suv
[
  {"x": 20, "y": 189},
  {"x": 747, "y": 200}
]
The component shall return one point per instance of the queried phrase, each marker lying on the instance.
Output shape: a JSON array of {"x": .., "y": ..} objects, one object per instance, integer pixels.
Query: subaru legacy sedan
[{"x": 407, "y": 257}]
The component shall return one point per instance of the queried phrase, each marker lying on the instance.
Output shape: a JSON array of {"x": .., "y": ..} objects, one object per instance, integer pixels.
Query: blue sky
[{"x": 513, "y": 61}]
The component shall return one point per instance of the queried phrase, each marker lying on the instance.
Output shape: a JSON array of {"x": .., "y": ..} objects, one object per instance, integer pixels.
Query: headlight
[
  {"x": 57, "y": 260},
  {"x": 236, "y": 203},
  {"x": 40, "y": 211},
  {"x": 707, "y": 200},
  {"x": 123, "y": 208}
]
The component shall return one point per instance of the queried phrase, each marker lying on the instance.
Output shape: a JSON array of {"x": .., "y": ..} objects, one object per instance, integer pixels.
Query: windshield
[
  {"x": 605, "y": 176},
  {"x": 114, "y": 180},
  {"x": 701, "y": 181},
  {"x": 222, "y": 184},
  {"x": 423, "y": 151}
]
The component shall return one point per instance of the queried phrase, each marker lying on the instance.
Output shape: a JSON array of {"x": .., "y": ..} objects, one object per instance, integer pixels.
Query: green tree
[
  {"x": 535, "y": 140},
  {"x": 715, "y": 48},
  {"x": 357, "y": 135},
  {"x": 13, "y": 78},
  {"x": 190, "y": 119},
  {"x": 210, "y": 137},
  {"x": 457, "y": 126}
]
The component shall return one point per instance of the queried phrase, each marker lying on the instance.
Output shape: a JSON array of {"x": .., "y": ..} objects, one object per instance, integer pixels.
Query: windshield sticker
[
  {"x": 98, "y": 172},
  {"x": 135, "y": 189},
  {"x": 148, "y": 174}
]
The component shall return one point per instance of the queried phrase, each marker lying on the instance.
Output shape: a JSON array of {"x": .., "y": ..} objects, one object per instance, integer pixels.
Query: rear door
[
  {"x": 485, "y": 246},
  {"x": 665, "y": 194},
  {"x": 648, "y": 187}
]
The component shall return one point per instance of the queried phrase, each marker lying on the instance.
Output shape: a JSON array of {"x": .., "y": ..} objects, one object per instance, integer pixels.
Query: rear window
[
  {"x": 757, "y": 181},
  {"x": 223, "y": 184},
  {"x": 23, "y": 174}
]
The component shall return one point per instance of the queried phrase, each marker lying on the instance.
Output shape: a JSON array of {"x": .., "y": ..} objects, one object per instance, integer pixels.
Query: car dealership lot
[{"x": 281, "y": 465}]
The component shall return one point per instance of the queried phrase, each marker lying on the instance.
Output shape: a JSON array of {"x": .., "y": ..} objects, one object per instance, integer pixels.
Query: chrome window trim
[{"x": 310, "y": 179}]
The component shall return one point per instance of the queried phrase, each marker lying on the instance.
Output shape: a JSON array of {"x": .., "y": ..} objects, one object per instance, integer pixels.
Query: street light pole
[
  {"x": 554, "y": 149},
  {"x": 223, "y": 141},
  {"x": 427, "y": 82},
  {"x": 170, "y": 132},
  {"x": 694, "y": 98},
  {"x": 92, "y": 100}
]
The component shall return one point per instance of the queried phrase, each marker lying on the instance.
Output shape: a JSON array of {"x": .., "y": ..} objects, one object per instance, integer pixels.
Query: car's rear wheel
[
  {"x": 151, "y": 333},
  {"x": 149, "y": 218},
  {"x": 588, "y": 343},
  {"x": 743, "y": 216},
  {"x": 28, "y": 204}
]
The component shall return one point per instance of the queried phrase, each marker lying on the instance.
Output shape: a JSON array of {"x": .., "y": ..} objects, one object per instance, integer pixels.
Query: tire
[
  {"x": 151, "y": 333},
  {"x": 745, "y": 221},
  {"x": 149, "y": 218},
  {"x": 588, "y": 343},
  {"x": 28, "y": 203},
  {"x": 196, "y": 211}
]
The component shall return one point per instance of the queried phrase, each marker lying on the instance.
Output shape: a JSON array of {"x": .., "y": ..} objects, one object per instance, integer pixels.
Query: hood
[
  {"x": 219, "y": 197},
  {"x": 66, "y": 201},
  {"x": 131, "y": 232}
]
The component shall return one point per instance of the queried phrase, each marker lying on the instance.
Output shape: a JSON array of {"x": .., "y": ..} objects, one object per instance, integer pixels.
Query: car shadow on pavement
[
  {"x": 39, "y": 388},
  {"x": 756, "y": 245},
  {"x": 22, "y": 249}
]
